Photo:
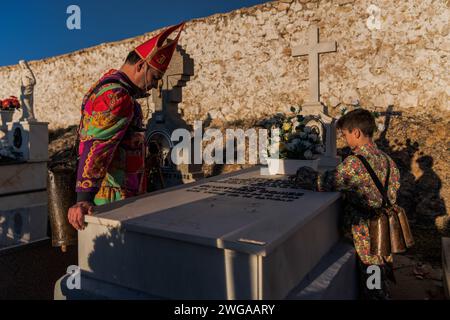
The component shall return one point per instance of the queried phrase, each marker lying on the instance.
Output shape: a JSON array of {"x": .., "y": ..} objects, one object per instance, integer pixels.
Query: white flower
[
  {"x": 295, "y": 123},
  {"x": 380, "y": 127},
  {"x": 308, "y": 154}
]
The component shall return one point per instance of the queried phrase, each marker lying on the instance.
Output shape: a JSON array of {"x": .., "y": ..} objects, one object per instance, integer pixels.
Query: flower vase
[
  {"x": 5, "y": 117},
  {"x": 289, "y": 166}
]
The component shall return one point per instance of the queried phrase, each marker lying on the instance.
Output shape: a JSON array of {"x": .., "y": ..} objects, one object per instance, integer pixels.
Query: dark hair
[
  {"x": 132, "y": 58},
  {"x": 360, "y": 119}
]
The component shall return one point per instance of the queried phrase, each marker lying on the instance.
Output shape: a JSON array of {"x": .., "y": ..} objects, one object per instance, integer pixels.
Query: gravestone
[
  {"x": 23, "y": 173},
  {"x": 315, "y": 113},
  {"x": 30, "y": 139},
  {"x": 23, "y": 184},
  {"x": 166, "y": 118},
  {"x": 235, "y": 236},
  {"x": 23, "y": 217}
]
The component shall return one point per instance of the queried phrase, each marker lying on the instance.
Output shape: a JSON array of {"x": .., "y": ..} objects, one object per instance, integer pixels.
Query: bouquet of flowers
[
  {"x": 12, "y": 103},
  {"x": 295, "y": 140}
]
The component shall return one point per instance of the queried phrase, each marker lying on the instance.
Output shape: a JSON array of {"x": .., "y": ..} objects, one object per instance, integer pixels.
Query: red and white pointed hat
[{"x": 156, "y": 51}]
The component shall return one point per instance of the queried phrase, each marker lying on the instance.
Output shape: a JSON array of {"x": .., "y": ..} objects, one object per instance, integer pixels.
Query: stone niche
[
  {"x": 23, "y": 184},
  {"x": 317, "y": 118},
  {"x": 166, "y": 118}
]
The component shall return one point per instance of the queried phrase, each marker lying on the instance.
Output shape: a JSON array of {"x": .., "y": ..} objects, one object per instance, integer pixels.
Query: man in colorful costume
[{"x": 112, "y": 148}]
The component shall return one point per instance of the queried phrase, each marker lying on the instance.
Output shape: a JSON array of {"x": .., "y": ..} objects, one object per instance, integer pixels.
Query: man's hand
[{"x": 77, "y": 212}]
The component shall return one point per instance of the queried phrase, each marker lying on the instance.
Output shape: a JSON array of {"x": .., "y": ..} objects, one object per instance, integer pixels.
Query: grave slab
[
  {"x": 333, "y": 278},
  {"x": 236, "y": 236}
]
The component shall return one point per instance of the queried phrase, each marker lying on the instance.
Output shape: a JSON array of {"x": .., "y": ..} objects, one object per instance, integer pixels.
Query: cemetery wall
[
  {"x": 244, "y": 67},
  {"x": 244, "y": 70}
]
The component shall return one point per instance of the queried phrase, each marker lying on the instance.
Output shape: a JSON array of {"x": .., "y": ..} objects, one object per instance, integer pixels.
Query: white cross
[{"x": 313, "y": 50}]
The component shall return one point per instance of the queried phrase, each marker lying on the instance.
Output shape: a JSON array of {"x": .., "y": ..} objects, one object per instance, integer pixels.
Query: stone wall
[
  {"x": 244, "y": 68},
  {"x": 244, "y": 71}
]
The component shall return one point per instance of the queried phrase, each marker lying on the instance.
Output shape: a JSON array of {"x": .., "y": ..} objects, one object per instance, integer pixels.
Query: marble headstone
[
  {"x": 166, "y": 118},
  {"x": 236, "y": 236}
]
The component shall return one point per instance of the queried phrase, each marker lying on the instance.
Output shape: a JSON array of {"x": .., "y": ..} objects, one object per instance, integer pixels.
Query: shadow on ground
[{"x": 30, "y": 272}]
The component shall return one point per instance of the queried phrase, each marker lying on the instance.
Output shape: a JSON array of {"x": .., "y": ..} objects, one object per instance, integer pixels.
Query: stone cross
[
  {"x": 312, "y": 50},
  {"x": 316, "y": 115}
]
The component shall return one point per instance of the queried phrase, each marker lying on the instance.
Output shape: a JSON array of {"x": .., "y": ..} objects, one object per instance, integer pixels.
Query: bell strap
[{"x": 376, "y": 180}]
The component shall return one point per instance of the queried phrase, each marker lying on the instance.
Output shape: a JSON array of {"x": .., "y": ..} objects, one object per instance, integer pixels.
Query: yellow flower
[{"x": 286, "y": 126}]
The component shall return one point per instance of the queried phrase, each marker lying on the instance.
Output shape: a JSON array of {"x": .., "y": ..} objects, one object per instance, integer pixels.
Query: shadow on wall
[
  {"x": 420, "y": 197},
  {"x": 56, "y": 134}
]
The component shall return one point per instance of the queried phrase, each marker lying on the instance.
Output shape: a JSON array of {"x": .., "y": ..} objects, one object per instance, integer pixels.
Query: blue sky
[{"x": 36, "y": 29}]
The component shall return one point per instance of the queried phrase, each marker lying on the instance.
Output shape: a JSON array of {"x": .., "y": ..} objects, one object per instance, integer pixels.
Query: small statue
[{"x": 27, "y": 83}]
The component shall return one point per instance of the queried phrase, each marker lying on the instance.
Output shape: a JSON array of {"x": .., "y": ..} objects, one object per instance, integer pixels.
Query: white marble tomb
[{"x": 236, "y": 236}]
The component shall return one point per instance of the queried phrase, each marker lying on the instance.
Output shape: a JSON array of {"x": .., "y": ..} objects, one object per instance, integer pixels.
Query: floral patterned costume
[
  {"x": 360, "y": 192},
  {"x": 112, "y": 143}
]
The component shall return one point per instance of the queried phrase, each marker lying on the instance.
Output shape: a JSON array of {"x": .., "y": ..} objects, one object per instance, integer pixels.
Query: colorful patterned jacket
[
  {"x": 112, "y": 143},
  {"x": 361, "y": 194}
]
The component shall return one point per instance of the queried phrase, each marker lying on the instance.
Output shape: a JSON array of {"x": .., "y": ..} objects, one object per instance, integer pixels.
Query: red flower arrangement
[{"x": 10, "y": 104}]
